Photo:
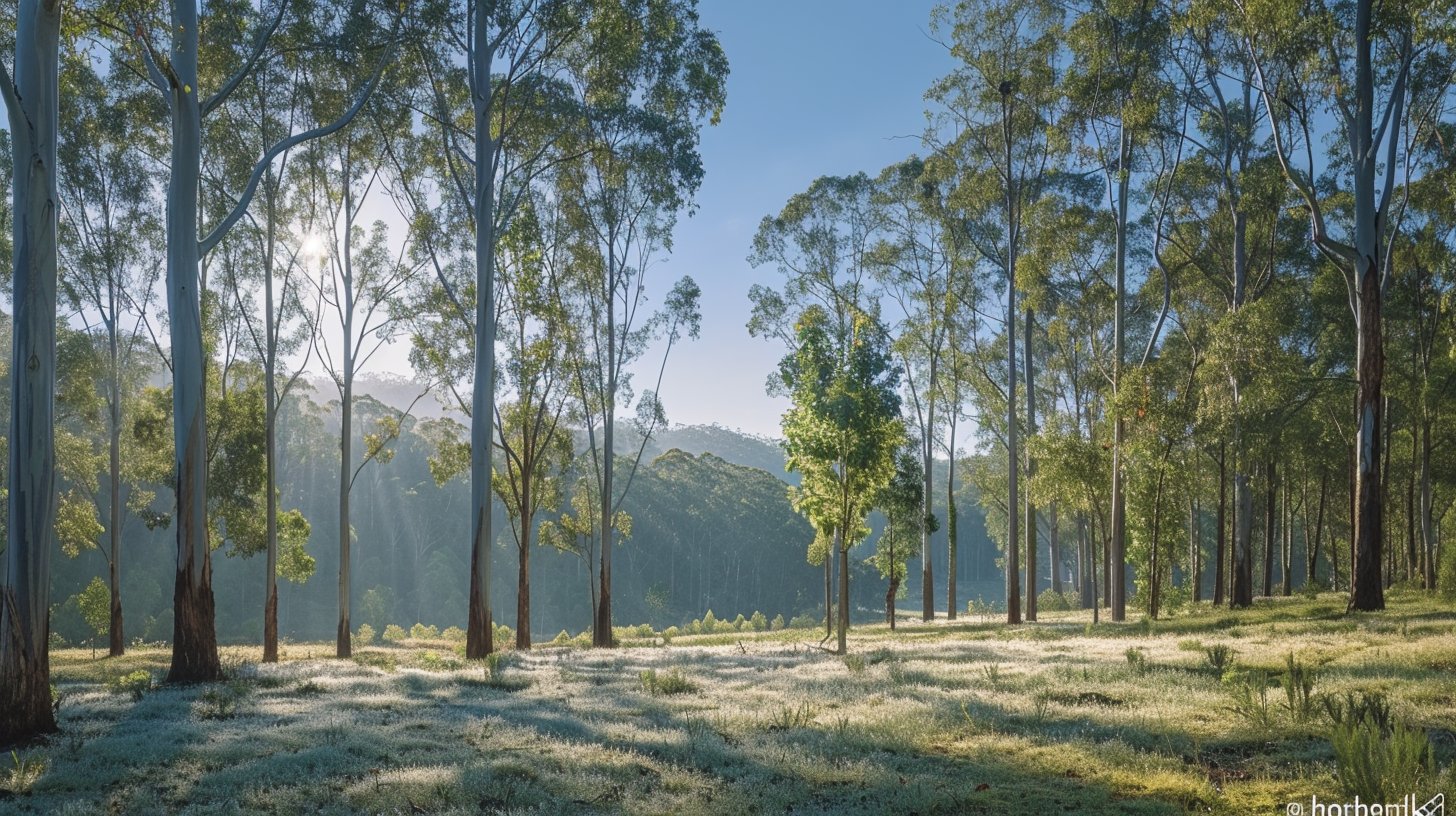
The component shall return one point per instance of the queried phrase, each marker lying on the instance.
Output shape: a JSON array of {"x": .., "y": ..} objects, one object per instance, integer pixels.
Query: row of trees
[
  {"x": 1154, "y": 249},
  {"x": 537, "y": 152}
]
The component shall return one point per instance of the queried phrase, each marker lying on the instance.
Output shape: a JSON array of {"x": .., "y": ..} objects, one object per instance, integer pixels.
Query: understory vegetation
[{"x": 1206, "y": 712}]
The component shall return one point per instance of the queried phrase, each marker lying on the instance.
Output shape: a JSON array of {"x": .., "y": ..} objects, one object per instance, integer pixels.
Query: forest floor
[{"x": 970, "y": 717}]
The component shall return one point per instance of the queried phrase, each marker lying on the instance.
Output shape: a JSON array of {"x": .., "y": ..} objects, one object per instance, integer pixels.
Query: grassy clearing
[{"x": 1054, "y": 717}]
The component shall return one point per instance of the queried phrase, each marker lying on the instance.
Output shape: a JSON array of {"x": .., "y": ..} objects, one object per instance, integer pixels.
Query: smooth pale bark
[
  {"x": 270, "y": 441},
  {"x": 117, "y": 636},
  {"x": 479, "y": 630},
  {"x": 1221, "y": 538},
  {"x": 32, "y": 101},
  {"x": 343, "y": 639},
  {"x": 1411, "y": 557},
  {"x": 194, "y": 639},
  {"x": 1195, "y": 549},
  {"x": 1117, "y": 546},
  {"x": 602, "y": 624},
  {"x": 927, "y": 578},
  {"x": 1013, "y": 456},
  {"x": 1031, "y": 583},
  {"x": 843, "y": 615},
  {"x": 952, "y": 544}
]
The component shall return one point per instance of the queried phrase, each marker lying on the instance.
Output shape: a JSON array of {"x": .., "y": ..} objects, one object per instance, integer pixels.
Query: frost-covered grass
[{"x": 1053, "y": 717}]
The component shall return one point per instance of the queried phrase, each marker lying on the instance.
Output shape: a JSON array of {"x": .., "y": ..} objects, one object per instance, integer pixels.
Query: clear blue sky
[{"x": 818, "y": 87}]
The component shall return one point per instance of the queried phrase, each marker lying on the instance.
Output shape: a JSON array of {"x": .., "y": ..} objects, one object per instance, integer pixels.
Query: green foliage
[
  {"x": 95, "y": 604},
  {"x": 669, "y": 633},
  {"x": 777, "y": 623},
  {"x": 136, "y": 684},
  {"x": 394, "y": 634},
  {"x": 1249, "y": 692},
  {"x": 1137, "y": 660},
  {"x": 1298, "y": 681},
  {"x": 454, "y": 634},
  {"x": 671, "y": 682},
  {"x": 376, "y": 660},
  {"x": 855, "y": 663},
  {"x": 294, "y": 562},
  {"x": 1220, "y": 658},
  {"x": 758, "y": 622},
  {"x": 422, "y": 632},
  {"x": 1380, "y": 766},
  {"x": 791, "y": 717},
  {"x": 221, "y": 701},
  {"x": 23, "y": 773},
  {"x": 1359, "y": 707},
  {"x": 364, "y": 636},
  {"x": 1052, "y": 601},
  {"x": 805, "y": 621}
]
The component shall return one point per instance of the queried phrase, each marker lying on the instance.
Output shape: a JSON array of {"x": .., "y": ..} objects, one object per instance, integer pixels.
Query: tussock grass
[{"x": 969, "y": 716}]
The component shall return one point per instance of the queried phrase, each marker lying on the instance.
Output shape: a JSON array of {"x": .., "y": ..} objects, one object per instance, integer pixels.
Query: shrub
[
  {"x": 1298, "y": 681},
  {"x": 778, "y": 623},
  {"x": 422, "y": 632},
  {"x": 1137, "y": 660},
  {"x": 710, "y": 623},
  {"x": 855, "y": 663},
  {"x": 695, "y": 628},
  {"x": 645, "y": 630},
  {"x": 364, "y": 636},
  {"x": 725, "y": 626},
  {"x": 394, "y": 634},
  {"x": 504, "y": 635},
  {"x": 804, "y": 621},
  {"x": 1250, "y": 693},
  {"x": 377, "y": 660},
  {"x": 562, "y": 639},
  {"x": 673, "y": 682},
  {"x": 738, "y": 622},
  {"x": 669, "y": 633},
  {"x": 22, "y": 774},
  {"x": 1377, "y": 766},
  {"x": 454, "y": 634},
  {"x": 1052, "y": 601},
  {"x": 789, "y": 717},
  {"x": 436, "y": 662},
  {"x": 221, "y": 701},
  {"x": 1220, "y": 658},
  {"x": 758, "y": 622},
  {"x": 1355, "y": 707},
  {"x": 137, "y": 684}
]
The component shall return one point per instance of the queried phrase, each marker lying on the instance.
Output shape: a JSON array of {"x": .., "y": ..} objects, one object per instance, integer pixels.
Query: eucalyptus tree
[
  {"x": 647, "y": 74},
  {"x": 1000, "y": 108},
  {"x": 820, "y": 243},
  {"x": 31, "y": 91},
  {"x": 1115, "y": 50},
  {"x": 1353, "y": 64},
  {"x": 169, "y": 51},
  {"x": 842, "y": 431},
  {"x": 493, "y": 106},
  {"x": 903, "y": 505},
  {"x": 533, "y": 436},
  {"x": 108, "y": 231},
  {"x": 275, "y": 95},
  {"x": 917, "y": 264},
  {"x": 358, "y": 304}
]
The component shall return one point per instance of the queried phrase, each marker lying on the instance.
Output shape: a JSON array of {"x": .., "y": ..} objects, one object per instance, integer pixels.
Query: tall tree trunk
[
  {"x": 1117, "y": 586},
  {"x": 927, "y": 579},
  {"x": 1220, "y": 540},
  {"x": 1271, "y": 532},
  {"x": 843, "y": 599},
  {"x": 1428, "y": 526},
  {"x": 1027, "y": 363},
  {"x": 113, "y": 432},
  {"x": 32, "y": 102},
  {"x": 343, "y": 642},
  {"x": 1411, "y": 557},
  {"x": 1242, "y": 592},
  {"x": 952, "y": 543},
  {"x": 1195, "y": 549},
  {"x": 479, "y": 630},
  {"x": 194, "y": 638},
  {"x": 1285, "y": 582},
  {"x": 1013, "y": 455},
  {"x": 270, "y": 433},
  {"x": 829, "y": 589},
  {"x": 523, "y": 577},
  {"x": 1054, "y": 552}
]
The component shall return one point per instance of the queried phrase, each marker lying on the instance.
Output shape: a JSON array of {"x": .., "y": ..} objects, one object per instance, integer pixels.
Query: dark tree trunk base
[
  {"x": 270, "y": 627},
  {"x": 194, "y": 640}
]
